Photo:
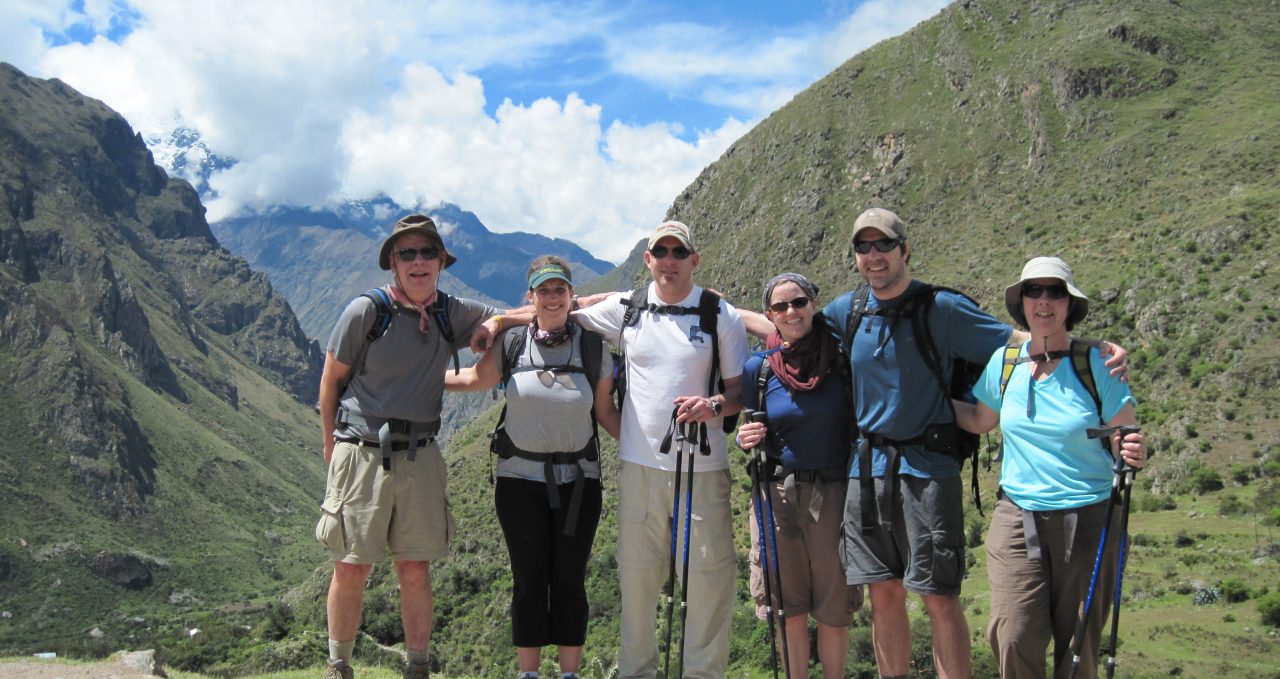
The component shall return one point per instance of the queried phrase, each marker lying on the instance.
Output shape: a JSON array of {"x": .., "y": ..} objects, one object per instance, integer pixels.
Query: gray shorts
[{"x": 919, "y": 539}]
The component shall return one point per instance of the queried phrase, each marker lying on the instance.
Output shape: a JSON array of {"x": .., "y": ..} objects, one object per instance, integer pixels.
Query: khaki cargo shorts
[{"x": 368, "y": 510}]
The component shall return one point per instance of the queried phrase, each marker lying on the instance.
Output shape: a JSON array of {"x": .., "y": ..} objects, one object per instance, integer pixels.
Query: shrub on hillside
[
  {"x": 1240, "y": 474},
  {"x": 1147, "y": 502},
  {"x": 1267, "y": 502},
  {"x": 1201, "y": 480},
  {"x": 1234, "y": 590},
  {"x": 1269, "y": 609},
  {"x": 1231, "y": 505}
]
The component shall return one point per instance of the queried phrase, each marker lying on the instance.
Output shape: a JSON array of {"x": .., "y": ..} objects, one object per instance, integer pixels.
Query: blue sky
[{"x": 580, "y": 120}]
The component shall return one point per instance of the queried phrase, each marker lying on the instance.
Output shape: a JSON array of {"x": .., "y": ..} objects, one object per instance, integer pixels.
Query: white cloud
[
  {"x": 547, "y": 166},
  {"x": 324, "y": 100}
]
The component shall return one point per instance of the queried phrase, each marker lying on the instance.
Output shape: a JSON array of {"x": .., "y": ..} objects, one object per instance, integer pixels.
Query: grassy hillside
[{"x": 157, "y": 462}]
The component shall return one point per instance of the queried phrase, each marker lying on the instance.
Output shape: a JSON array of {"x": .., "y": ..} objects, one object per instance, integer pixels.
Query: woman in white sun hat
[{"x": 1054, "y": 481}]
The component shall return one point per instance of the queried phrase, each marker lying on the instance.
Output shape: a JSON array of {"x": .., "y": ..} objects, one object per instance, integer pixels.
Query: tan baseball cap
[
  {"x": 881, "y": 220},
  {"x": 677, "y": 230}
]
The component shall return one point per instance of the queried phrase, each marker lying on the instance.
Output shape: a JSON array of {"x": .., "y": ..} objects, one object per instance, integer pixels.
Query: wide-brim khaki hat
[
  {"x": 1045, "y": 267},
  {"x": 413, "y": 224}
]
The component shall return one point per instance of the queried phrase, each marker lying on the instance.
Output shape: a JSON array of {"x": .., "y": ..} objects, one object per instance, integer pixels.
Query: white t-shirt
[{"x": 667, "y": 356}]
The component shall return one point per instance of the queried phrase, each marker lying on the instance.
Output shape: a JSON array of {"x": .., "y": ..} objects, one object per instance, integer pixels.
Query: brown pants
[{"x": 1033, "y": 602}]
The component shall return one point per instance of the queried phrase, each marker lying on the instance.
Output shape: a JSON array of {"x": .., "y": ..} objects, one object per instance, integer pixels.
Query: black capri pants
[{"x": 548, "y": 568}]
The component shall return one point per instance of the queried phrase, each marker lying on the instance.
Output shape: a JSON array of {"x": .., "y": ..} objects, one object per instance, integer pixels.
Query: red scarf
[
  {"x": 402, "y": 298},
  {"x": 801, "y": 365}
]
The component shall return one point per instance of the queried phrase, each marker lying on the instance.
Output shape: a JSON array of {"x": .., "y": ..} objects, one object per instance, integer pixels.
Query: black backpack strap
[
  {"x": 384, "y": 309},
  {"x": 591, "y": 348},
  {"x": 924, "y": 339},
  {"x": 857, "y": 309},
  {"x": 513, "y": 345},
  {"x": 440, "y": 313},
  {"x": 709, "y": 322}
]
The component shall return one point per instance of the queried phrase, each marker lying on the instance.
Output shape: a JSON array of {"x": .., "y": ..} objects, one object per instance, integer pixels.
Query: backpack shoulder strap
[
  {"x": 512, "y": 347},
  {"x": 440, "y": 314},
  {"x": 762, "y": 385},
  {"x": 385, "y": 309},
  {"x": 1010, "y": 362},
  {"x": 857, "y": 309},
  {"x": 1084, "y": 372},
  {"x": 708, "y": 320},
  {"x": 921, "y": 302},
  {"x": 383, "y": 305},
  {"x": 636, "y": 302},
  {"x": 590, "y": 347}
]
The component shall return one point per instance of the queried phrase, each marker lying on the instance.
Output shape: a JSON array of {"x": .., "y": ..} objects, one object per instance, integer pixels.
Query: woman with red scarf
[{"x": 805, "y": 395}]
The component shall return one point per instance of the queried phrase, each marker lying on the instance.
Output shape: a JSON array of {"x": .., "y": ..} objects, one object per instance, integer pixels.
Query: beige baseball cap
[
  {"x": 677, "y": 230},
  {"x": 881, "y": 220}
]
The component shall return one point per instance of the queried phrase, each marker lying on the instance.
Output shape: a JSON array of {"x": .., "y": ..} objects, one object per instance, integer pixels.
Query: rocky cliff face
[{"x": 130, "y": 345}]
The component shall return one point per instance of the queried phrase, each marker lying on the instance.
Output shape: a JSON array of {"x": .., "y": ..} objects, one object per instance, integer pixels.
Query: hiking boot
[
  {"x": 339, "y": 669},
  {"x": 415, "y": 670}
]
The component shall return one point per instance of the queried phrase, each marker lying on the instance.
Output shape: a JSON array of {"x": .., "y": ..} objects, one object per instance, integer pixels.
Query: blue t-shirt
[
  {"x": 894, "y": 392},
  {"x": 811, "y": 426},
  {"x": 1049, "y": 463}
]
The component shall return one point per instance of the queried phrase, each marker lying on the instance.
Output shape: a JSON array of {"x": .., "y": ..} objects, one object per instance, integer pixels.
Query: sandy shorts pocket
[{"x": 331, "y": 530}]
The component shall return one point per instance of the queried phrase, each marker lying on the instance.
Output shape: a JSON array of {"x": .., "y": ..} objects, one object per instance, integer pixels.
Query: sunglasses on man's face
[
  {"x": 679, "y": 252},
  {"x": 862, "y": 247},
  {"x": 428, "y": 253},
  {"x": 798, "y": 303},
  {"x": 1035, "y": 290}
]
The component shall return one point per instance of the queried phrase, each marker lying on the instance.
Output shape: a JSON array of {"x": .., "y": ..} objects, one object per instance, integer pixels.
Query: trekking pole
[
  {"x": 673, "y": 428},
  {"x": 1119, "y": 493},
  {"x": 764, "y": 449},
  {"x": 1127, "y": 474},
  {"x": 777, "y": 578},
  {"x": 756, "y": 470},
  {"x": 695, "y": 434}
]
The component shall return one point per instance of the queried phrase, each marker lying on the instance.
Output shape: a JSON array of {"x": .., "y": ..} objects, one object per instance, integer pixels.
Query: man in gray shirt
[{"x": 380, "y": 397}]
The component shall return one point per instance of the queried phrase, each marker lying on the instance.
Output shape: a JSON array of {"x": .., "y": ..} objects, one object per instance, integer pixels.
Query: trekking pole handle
[{"x": 1124, "y": 429}]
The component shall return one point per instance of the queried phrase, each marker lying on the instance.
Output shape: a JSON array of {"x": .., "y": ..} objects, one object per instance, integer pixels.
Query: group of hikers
[{"x": 848, "y": 417}]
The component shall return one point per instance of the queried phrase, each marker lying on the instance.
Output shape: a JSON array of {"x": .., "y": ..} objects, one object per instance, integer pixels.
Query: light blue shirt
[{"x": 1049, "y": 463}]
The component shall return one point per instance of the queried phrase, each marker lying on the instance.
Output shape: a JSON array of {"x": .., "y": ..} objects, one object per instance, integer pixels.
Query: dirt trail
[{"x": 51, "y": 669}]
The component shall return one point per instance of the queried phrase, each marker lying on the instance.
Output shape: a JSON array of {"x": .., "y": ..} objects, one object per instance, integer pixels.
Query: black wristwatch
[{"x": 715, "y": 407}]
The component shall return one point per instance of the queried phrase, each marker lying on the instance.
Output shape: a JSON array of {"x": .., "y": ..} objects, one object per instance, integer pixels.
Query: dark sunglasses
[
  {"x": 1035, "y": 290},
  {"x": 428, "y": 253},
  {"x": 798, "y": 303},
  {"x": 679, "y": 252},
  {"x": 862, "y": 247}
]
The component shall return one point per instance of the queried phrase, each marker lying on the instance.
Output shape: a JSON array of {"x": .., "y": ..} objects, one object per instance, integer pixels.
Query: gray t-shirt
[
  {"x": 402, "y": 376},
  {"x": 549, "y": 419}
]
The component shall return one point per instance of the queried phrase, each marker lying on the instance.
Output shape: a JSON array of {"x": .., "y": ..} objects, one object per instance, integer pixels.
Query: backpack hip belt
[
  {"x": 791, "y": 480},
  {"x": 867, "y": 483},
  {"x": 501, "y": 445},
  {"x": 394, "y": 435}
]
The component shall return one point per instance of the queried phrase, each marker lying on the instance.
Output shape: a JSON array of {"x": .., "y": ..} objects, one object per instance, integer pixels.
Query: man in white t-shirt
[{"x": 668, "y": 366}]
